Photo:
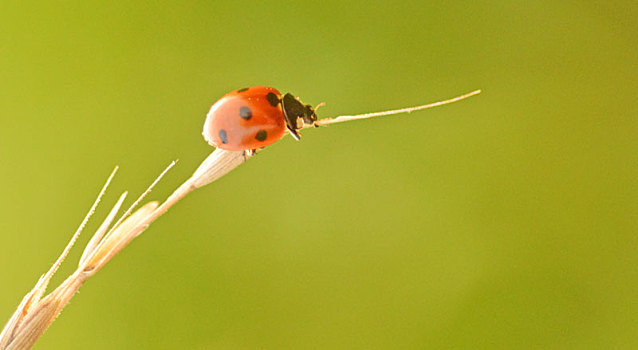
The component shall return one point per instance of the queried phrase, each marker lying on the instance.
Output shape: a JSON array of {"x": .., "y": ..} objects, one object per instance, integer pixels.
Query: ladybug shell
[{"x": 245, "y": 119}]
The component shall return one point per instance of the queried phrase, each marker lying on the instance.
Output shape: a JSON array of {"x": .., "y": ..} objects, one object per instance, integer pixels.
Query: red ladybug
[{"x": 254, "y": 117}]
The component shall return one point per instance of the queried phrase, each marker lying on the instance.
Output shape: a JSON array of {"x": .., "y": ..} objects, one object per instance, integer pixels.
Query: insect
[{"x": 254, "y": 117}]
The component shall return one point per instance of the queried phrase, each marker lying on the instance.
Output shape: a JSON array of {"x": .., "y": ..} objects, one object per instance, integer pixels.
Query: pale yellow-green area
[{"x": 507, "y": 220}]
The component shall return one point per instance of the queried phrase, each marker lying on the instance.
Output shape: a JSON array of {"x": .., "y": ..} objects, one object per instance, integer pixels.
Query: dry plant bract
[{"x": 37, "y": 311}]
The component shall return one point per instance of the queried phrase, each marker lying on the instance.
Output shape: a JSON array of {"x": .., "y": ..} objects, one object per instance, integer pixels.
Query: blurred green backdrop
[{"x": 504, "y": 221}]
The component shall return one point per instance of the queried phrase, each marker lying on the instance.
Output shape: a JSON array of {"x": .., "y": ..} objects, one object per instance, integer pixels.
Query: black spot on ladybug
[
  {"x": 223, "y": 136},
  {"x": 245, "y": 113},
  {"x": 261, "y": 135},
  {"x": 272, "y": 99},
  {"x": 242, "y": 90}
]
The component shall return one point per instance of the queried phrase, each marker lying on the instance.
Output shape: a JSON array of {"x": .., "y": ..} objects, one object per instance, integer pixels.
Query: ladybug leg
[
  {"x": 249, "y": 153},
  {"x": 293, "y": 132}
]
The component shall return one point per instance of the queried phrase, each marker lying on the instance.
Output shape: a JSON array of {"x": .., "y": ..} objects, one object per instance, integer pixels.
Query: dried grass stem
[{"x": 35, "y": 312}]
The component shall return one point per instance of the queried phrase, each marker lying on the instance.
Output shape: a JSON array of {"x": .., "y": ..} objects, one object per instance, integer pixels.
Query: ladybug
[{"x": 254, "y": 117}]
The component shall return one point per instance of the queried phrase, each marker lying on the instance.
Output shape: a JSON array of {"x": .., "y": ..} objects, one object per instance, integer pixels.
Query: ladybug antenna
[{"x": 319, "y": 105}]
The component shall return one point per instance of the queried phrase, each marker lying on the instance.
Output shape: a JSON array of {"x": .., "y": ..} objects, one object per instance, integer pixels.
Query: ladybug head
[{"x": 297, "y": 114}]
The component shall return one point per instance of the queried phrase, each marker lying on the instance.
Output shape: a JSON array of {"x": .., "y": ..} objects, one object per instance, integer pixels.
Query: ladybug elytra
[{"x": 255, "y": 117}]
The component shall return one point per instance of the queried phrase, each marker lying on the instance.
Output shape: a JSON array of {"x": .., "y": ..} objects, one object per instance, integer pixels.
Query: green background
[{"x": 504, "y": 221}]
